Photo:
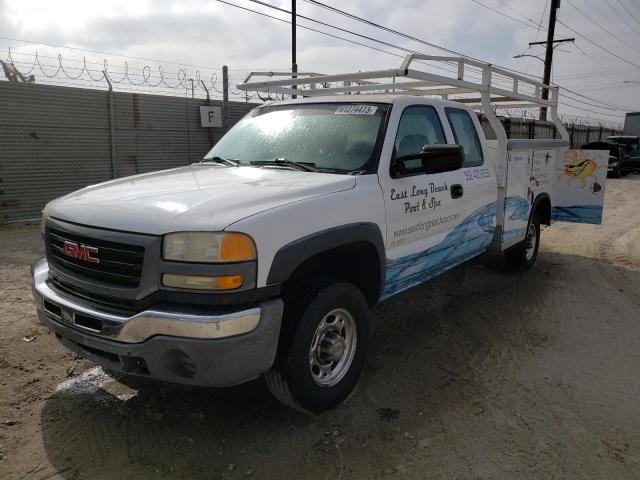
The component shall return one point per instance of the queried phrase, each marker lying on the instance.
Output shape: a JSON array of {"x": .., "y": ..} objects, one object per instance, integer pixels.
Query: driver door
[{"x": 422, "y": 209}]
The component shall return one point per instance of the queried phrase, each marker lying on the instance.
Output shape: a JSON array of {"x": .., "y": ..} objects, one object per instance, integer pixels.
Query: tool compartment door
[
  {"x": 579, "y": 187},
  {"x": 517, "y": 200}
]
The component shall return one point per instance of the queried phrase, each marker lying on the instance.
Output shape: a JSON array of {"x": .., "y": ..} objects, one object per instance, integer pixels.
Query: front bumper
[{"x": 166, "y": 344}]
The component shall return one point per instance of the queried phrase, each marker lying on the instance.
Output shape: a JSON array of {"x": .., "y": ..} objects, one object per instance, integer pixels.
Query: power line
[
  {"x": 602, "y": 14},
  {"x": 601, "y": 73},
  {"x": 632, "y": 15},
  {"x": 530, "y": 25},
  {"x": 593, "y": 111},
  {"x": 544, "y": 10},
  {"x": 602, "y": 28},
  {"x": 402, "y": 34},
  {"x": 301, "y": 26},
  {"x": 373, "y": 39},
  {"x": 598, "y": 45},
  {"x": 388, "y": 29},
  {"x": 615, "y": 10},
  {"x": 506, "y": 5},
  {"x": 311, "y": 29},
  {"x": 612, "y": 109},
  {"x": 622, "y": 108}
]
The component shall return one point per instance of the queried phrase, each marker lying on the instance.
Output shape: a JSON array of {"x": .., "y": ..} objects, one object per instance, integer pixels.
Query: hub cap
[
  {"x": 333, "y": 347},
  {"x": 532, "y": 238}
]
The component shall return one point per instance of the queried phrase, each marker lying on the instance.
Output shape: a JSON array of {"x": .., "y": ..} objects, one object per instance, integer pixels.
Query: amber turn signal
[{"x": 202, "y": 282}]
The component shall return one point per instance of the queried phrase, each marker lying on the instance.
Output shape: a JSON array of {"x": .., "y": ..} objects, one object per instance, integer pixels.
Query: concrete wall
[{"x": 54, "y": 140}]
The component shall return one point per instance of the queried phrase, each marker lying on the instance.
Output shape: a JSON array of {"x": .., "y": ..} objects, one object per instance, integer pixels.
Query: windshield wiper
[
  {"x": 306, "y": 166},
  {"x": 224, "y": 161}
]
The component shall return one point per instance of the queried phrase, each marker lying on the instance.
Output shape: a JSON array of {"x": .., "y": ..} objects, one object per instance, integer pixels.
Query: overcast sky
[{"x": 207, "y": 34}]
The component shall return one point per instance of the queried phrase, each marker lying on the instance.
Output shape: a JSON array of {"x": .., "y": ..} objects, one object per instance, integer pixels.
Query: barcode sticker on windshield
[{"x": 355, "y": 110}]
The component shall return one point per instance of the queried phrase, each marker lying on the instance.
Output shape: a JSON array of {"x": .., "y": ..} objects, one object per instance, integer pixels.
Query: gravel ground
[{"x": 480, "y": 374}]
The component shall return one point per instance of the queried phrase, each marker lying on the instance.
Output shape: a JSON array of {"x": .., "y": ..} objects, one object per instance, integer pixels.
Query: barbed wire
[
  {"x": 59, "y": 69},
  {"x": 147, "y": 79}
]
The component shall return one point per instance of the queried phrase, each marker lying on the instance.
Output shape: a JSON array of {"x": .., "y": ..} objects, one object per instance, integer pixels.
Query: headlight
[{"x": 208, "y": 247}]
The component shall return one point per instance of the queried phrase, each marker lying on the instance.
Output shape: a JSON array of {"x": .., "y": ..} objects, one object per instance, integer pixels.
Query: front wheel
[
  {"x": 523, "y": 255},
  {"x": 328, "y": 336}
]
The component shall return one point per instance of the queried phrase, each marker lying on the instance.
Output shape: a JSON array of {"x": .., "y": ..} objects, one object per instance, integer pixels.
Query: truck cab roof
[{"x": 374, "y": 98}]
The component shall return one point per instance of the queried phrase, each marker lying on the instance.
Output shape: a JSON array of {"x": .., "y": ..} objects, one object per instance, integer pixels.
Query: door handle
[{"x": 457, "y": 191}]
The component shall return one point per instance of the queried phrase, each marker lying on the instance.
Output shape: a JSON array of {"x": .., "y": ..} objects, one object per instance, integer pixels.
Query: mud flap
[{"x": 579, "y": 188}]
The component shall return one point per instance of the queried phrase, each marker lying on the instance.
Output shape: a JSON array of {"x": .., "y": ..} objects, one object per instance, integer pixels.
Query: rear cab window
[{"x": 466, "y": 135}]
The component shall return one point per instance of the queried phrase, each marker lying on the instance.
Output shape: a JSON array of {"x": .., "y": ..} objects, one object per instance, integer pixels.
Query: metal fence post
[
  {"x": 507, "y": 126},
  {"x": 225, "y": 97},
  {"x": 573, "y": 131},
  {"x": 532, "y": 129},
  {"x": 112, "y": 126}
]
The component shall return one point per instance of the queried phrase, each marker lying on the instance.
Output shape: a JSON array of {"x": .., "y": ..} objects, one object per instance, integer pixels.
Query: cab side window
[
  {"x": 464, "y": 131},
  {"x": 419, "y": 126}
]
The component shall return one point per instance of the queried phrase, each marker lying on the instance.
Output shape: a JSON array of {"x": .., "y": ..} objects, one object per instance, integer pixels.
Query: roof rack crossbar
[{"x": 410, "y": 80}]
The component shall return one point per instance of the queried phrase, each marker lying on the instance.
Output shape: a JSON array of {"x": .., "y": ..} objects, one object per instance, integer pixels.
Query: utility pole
[
  {"x": 548, "y": 57},
  {"x": 294, "y": 64}
]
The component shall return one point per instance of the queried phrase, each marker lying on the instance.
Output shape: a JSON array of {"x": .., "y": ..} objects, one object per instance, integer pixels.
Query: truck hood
[{"x": 196, "y": 197}]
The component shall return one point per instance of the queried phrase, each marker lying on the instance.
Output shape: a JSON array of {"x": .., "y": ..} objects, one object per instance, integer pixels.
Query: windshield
[{"x": 335, "y": 137}]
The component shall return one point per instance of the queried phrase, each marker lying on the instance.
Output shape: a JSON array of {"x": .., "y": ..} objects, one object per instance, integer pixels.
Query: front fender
[{"x": 292, "y": 255}]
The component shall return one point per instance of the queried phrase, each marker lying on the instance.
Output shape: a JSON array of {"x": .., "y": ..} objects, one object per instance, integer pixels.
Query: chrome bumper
[{"x": 141, "y": 326}]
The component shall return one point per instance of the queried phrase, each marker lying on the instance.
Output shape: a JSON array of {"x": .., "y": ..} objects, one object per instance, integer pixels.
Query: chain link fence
[{"x": 529, "y": 128}]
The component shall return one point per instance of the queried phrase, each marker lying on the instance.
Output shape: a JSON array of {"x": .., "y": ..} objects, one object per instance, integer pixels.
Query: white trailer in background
[{"x": 632, "y": 124}]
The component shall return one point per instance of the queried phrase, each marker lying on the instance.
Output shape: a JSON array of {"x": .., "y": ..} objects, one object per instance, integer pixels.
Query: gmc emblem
[{"x": 81, "y": 252}]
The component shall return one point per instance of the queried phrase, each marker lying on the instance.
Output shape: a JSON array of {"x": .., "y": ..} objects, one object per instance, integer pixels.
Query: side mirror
[{"x": 432, "y": 159}]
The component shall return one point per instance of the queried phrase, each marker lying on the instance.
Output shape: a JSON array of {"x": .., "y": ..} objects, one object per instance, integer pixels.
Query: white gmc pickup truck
[{"x": 264, "y": 258}]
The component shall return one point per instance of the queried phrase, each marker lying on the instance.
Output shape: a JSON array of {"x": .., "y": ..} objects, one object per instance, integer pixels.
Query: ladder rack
[
  {"x": 480, "y": 85},
  {"x": 409, "y": 80}
]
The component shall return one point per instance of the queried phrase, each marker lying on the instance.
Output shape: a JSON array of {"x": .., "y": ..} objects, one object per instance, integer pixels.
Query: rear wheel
[
  {"x": 326, "y": 337},
  {"x": 523, "y": 256}
]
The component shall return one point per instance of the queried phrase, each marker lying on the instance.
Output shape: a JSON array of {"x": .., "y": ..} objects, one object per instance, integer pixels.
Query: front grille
[
  {"x": 119, "y": 264},
  {"x": 115, "y": 304}
]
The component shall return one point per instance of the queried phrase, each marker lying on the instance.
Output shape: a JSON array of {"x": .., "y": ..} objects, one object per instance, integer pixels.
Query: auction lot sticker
[{"x": 356, "y": 110}]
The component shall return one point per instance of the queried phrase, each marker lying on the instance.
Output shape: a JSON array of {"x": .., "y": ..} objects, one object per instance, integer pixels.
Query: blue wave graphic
[
  {"x": 515, "y": 208},
  {"x": 465, "y": 241},
  {"x": 578, "y": 214},
  {"x": 509, "y": 235}
]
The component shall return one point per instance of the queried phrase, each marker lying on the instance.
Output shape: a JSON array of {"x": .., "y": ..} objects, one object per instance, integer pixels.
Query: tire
[
  {"x": 618, "y": 173},
  {"x": 523, "y": 256},
  {"x": 312, "y": 380}
]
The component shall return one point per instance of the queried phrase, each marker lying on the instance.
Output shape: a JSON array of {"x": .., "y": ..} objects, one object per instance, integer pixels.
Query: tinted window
[
  {"x": 466, "y": 136},
  {"x": 419, "y": 126}
]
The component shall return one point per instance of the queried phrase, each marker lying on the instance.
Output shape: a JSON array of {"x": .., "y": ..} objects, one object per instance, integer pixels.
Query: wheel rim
[
  {"x": 532, "y": 238},
  {"x": 333, "y": 347}
]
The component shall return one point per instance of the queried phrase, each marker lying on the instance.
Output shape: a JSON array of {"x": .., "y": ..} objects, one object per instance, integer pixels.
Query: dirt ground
[{"x": 480, "y": 374}]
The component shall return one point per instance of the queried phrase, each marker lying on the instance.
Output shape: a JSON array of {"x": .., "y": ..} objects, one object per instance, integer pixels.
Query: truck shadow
[{"x": 437, "y": 349}]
